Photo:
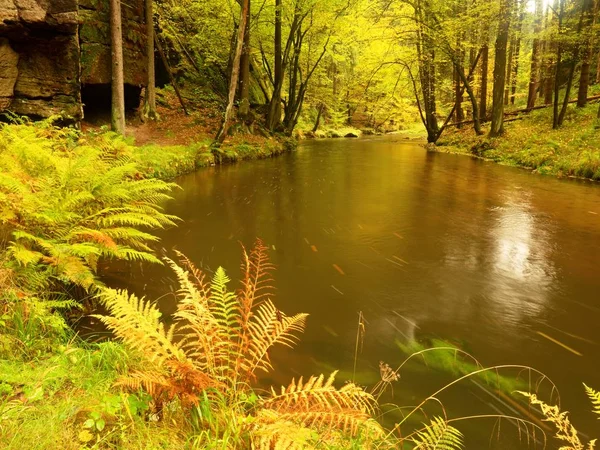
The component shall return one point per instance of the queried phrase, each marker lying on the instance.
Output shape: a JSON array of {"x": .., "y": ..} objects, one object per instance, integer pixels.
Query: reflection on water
[{"x": 425, "y": 245}]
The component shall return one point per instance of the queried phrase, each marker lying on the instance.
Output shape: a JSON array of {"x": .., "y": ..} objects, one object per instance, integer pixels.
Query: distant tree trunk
[
  {"x": 244, "y": 107},
  {"x": 319, "y": 114},
  {"x": 426, "y": 61},
  {"x": 500, "y": 70},
  {"x": 572, "y": 65},
  {"x": 235, "y": 71},
  {"x": 535, "y": 56},
  {"x": 150, "y": 101},
  {"x": 458, "y": 93},
  {"x": 515, "y": 65},
  {"x": 509, "y": 70},
  {"x": 118, "y": 86},
  {"x": 584, "y": 78},
  {"x": 550, "y": 49},
  {"x": 598, "y": 68},
  {"x": 274, "y": 112},
  {"x": 485, "y": 56}
]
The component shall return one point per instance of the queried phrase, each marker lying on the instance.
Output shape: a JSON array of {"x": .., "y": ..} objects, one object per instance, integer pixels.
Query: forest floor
[
  {"x": 530, "y": 142},
  {"x": 179, "y": 143}
]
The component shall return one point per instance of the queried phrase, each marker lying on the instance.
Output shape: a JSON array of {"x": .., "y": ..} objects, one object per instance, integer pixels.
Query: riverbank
[
  {"x": 530, "y": 142},
  {"x": 67, "y": 198}
]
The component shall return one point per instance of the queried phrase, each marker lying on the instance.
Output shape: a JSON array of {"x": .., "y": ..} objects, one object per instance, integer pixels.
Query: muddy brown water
[{"x": 497, "y": 260}]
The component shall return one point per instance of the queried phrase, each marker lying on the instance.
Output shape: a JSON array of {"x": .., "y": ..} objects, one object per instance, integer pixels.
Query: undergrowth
[{"x": 572, "y": 150}]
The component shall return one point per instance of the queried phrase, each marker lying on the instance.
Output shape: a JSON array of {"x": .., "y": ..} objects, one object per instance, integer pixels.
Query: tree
[
  {"x": 150, "y": 100},
  {"x": 117, "y": 85},
  {"x": 244, "y": 107},
  {"x": 235, "y": 71},
  {"x": 274, "y": 112},
  {"x": 590, "y": 12},
  {"x": 500, "y": 69},
  {"x": 535, "y": 56}
]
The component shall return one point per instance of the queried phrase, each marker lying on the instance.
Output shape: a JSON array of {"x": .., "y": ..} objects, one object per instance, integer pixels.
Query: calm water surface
[{"x": 497, "y": 260}]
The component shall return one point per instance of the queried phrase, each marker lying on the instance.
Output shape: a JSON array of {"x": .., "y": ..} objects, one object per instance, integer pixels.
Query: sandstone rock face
[
  {"x": 9, "y": 60},
  {"x": 50, "y": 48}
]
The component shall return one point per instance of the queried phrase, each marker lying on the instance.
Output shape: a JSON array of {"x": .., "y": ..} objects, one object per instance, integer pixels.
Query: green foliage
[
  {"x": 212, "y": 353},
  {"x": 67, "y": 204}
]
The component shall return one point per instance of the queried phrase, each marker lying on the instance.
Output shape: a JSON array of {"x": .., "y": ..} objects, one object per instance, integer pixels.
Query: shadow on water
[{"x": 498, "y": 260}]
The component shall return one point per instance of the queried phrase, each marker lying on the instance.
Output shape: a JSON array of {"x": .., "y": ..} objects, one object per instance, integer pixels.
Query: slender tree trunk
[
  {"x": 517, "y": 55},
  {"x": 500, "y": 70},
  {"x": 117, "y": 118},
  {"x": 458, "y": 95},
  {"x": 572, "y": 65},
  {"x": 319, "y": 114},
  {"x": 274, "y": 113},
  {"x": 584, "y": 78},
  {"x": 598, "y": 68},
  {"x": 485, "y": 57},
  {"x": 150, "y": 103},
  {"x": 509, "y": 70},
  {"x": 244, "y": 108},
  {"x": 235, "y": 72},
  {"x": 165, "y": 61},
  {"x": 549, "y": 66},
  {"x": 535, "y": 56}
]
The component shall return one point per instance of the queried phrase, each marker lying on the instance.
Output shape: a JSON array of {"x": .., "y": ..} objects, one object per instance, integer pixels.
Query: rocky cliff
[{"x": 51, "y": 49}]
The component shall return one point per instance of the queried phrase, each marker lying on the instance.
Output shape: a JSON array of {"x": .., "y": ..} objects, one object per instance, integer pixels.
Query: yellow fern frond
[
  {"x": 320, "y": 394},
  {"x": 565, "y": 431},
  {"x": 137, "y": 322},
  {"x": 268, "y": 327},
  {"x": 594, "y": 398},
  {"x": 438, "y": 435},
  {"x": 281, "y": 435}
]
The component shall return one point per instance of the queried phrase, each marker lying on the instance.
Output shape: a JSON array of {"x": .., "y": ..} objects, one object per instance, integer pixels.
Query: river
[{"x": 500, "y": 261}]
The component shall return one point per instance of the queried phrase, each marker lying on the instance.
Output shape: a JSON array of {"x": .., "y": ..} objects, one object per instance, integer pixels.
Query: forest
[{"x": 411, "y": 187}]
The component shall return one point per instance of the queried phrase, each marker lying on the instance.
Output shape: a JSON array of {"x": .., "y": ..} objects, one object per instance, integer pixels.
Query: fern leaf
[
  {"x": 594, "y": 398},
  {"x": 268, "y": 327},
  {"x": 438, "y": 435},
  {"x": 320, "y": 394},
  {"x": 137, "y": 322}
]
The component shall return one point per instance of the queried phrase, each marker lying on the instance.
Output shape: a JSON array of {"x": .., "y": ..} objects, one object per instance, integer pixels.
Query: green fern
[
  {"x": 69, "y": 205},
  {"x": 438, "y": 435}
]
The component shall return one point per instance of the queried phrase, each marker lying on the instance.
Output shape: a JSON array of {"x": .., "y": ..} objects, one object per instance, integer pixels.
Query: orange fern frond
[{"x": 256, "y": 281}]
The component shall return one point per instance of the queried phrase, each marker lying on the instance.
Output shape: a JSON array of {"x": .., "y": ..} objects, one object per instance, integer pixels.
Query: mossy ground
[{"x": 530, "y": 142}]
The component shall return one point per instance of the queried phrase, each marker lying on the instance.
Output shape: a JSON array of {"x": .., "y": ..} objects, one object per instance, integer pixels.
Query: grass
[
  {"x": 65, "y": 399},
  {"x": 573, "y": 150}
]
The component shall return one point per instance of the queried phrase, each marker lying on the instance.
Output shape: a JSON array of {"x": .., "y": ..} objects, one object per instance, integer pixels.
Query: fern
[
  {"x": 565, "y": 431},
  {"x": 67, "y": 205},
  {"x": 218, "y": 341},
  {"x": 438, "y": 435},
  {"x": 594, "y": 398}
]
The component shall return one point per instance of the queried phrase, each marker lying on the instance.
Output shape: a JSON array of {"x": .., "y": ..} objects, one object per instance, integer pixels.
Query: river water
[{"x": 497, "y": 260}]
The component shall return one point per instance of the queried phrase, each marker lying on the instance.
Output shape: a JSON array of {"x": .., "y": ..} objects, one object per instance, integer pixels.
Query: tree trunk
[
  {"x": 515, "y": 65},
  {"x": 150, "y": 101},
  {"x": 584, "y": 77},
  {"x": 500, "y": 70},
  {"x": 458, "y": 95},
  {"x": 485, "y": 56},
  {"x": 535, "y": 56},
  {"x": 244, "y": 107},
  {"x": 235, "y": 71},
  {"x": 274, "y": 113},
  {"x": 509, "y": 71},
  {"x": 319, "y": 114},
  {"x": 598, "y": 68},
  {"x": 117, "y": 118}
]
